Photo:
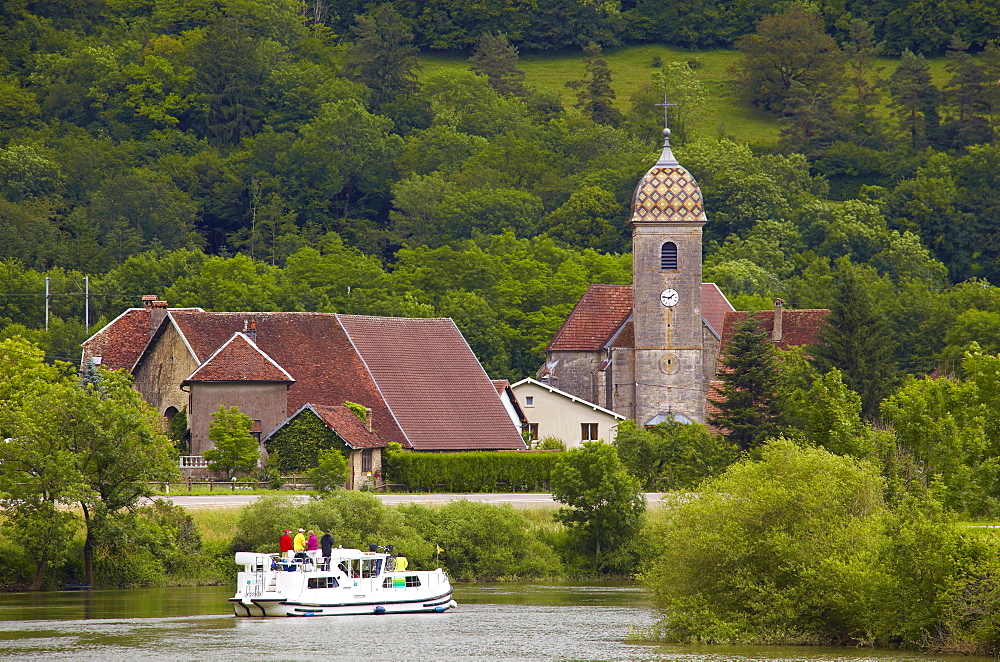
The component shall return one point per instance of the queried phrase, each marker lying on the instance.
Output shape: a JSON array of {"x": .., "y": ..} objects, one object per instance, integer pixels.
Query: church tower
[{"x": 667, "y": 219}]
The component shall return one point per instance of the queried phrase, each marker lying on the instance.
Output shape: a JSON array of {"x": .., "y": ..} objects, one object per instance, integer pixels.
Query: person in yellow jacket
[{"x": 299, "y": 544}]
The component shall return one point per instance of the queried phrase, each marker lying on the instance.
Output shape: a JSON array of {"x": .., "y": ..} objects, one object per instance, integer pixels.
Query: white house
[{"x": 554, "y": 413}]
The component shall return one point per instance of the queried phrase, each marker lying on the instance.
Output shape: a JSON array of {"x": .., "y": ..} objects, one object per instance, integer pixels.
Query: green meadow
[{"x": 632, "y": 67}]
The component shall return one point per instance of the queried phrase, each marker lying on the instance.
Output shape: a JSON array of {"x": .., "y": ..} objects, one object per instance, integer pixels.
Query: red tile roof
[
  {"x": 311, "y": 347},
  {"x": 798, "y": 327},
  {"x": 604, "y": 309},
  {"x": 594, "y": 320},
  {"x": 433, "y": 383},
  {"x": 239, "y": 360},
  {"x": 121, "y": 342},
  {"x": 714, "y": 306},
  {"x": 349, "y": 427}
]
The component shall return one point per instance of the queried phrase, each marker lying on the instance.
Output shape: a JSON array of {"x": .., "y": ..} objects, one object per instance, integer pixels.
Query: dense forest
[{"x": 285, "y": 155}]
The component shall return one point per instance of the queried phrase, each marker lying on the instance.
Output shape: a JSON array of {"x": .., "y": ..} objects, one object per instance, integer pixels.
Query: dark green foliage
[
  {"x": 747, "y": 401},
  {"x": 298, "y": 444},
  {"x": 672, "y": 456},
  {"x": 789, "y": 55},
  {"x": 480, "y": 471},
  {"x": 857, "y": 341},
  {"x": 496, "y": 59},
  {"x": 382, "y": 55},
  {"x": 595, "y": 96},
  {"x": 178, "y": 431},
  {"x": 914, "y": 100}
]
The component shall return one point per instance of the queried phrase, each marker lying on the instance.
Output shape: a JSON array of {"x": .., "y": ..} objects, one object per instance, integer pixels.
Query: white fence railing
[{"x": 193, "y": 462}]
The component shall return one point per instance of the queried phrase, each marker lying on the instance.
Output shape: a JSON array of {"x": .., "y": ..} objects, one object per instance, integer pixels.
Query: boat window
[
  {"x": 350, "y": 567},
  {"x": 323, "y": 582},
  {"x": 371, "y": 567},
  {"x": 401, "y": 582}
]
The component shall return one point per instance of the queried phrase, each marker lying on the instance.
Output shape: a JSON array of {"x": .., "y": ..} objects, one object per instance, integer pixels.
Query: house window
[
  {"x": 533, "y": 431},
  {"x": 668, "y": 256},
  {"x": 529, "y": 401},
  {"x": 589, "y": 431},
  {"x": 366, "y": 460}
]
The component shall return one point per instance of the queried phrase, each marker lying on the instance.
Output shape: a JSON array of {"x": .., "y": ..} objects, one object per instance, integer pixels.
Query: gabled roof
[
  {"x": 714, "y": 306},
  {"x": 239, "y": 360},
  {"x": 798, "y": 326},
  {"x": 341, "y": 420},
  {"x": 424, "y": 385},
  {"x": 605, "y": 311},
  {"x": 599, "y": 314},
  {"x": 568, "y": 396},
  {"x": 435, "y": 387}
]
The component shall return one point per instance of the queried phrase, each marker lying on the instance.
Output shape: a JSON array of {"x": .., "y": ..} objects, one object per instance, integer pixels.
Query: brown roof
[
  {"x": 434, "y": 385},
  {"x": 714, "y": 306},
  {"x": 121, "y": 342},
  {"x": 239, "y": 360},
  {"x": 594, "y": 320},
  {"x": 349, "y": 427},
  {"x": 604, "y": 309},
  {"x": 798, "y": 326},
  {"x": 311, "y": 347}
]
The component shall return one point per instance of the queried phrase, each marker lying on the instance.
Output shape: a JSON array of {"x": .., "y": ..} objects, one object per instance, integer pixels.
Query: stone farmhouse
[{"x": 419, "y": 379}]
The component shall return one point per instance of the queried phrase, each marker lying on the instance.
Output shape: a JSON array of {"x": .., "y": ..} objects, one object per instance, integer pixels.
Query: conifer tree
[
  {"x": 383, "y": 56},
  {"x": 860, "y": 53},
  {"x": 856, "y": 340},
  {"x": 496, "y": 59},
  {"x": 595, "y": 96},
  {"x": 965, "y": 98},
  {"x": 748, "y": 407},
  {"x": 914, "y": 99}
]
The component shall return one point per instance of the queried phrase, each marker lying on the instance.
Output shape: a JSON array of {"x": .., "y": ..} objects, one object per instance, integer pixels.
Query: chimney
[
  {"x": 776, "y": 332},
  {"x": 368, "y": 418},
  {"x": 252, "y": 331},
  {"x": 147, "y": 300},
  {"x": 157, "y": 311}
]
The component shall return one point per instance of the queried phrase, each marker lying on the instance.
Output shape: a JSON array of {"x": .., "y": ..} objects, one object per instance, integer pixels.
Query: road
[{"x": 539, "y": 500}]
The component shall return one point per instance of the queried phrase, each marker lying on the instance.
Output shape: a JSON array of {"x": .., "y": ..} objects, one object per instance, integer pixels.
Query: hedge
[{"x": 477, "y": 471}]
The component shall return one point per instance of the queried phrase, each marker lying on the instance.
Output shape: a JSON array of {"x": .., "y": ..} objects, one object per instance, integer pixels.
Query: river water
[{"x": 509, "y": 621}]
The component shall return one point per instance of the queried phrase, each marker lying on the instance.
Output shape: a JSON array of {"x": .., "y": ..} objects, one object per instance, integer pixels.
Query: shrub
[{"x": 480, "y": 471}]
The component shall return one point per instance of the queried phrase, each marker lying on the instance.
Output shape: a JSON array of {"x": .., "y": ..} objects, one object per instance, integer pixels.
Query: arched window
[{"x": 668, "y": 256}]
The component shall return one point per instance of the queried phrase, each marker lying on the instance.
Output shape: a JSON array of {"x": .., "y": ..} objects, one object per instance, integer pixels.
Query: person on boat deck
[
  {"x": 285, "y": 544},
  {"x": 326, "y": 544},
  {"x": 299, "y": 544},
  {"x": 312, "y": 546}
]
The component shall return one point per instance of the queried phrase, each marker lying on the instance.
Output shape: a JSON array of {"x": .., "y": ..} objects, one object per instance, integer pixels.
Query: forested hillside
[{"x": 286, "y": 155}]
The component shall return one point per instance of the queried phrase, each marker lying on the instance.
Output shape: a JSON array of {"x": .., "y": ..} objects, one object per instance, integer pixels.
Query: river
[{"x": 509, "y": 621}]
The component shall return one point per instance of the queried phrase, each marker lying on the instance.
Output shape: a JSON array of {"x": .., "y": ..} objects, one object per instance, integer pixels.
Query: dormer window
[{"x": 668, "y": 256}]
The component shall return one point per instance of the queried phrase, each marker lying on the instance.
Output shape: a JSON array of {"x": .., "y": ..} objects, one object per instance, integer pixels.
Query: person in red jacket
[{"x": 285, "y": 545}]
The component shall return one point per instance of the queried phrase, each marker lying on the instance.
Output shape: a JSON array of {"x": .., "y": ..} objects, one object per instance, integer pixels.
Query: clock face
[{"x": 669, "y": 298}]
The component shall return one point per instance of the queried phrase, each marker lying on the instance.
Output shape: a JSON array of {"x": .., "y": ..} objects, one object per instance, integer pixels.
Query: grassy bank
[{"x": 632, "y": 66}]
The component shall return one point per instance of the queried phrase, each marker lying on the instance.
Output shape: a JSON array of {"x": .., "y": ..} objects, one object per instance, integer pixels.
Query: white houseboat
[{"x": 354, "y": 582}]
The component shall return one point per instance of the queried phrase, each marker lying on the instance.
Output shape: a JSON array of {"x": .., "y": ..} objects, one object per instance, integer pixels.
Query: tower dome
[{"x": 667, "y": 193}]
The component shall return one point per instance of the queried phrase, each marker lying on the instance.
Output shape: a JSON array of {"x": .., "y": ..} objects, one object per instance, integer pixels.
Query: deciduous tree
[
  {"x": 605, "y": 502},
  {"x": 234, "y": 449}
]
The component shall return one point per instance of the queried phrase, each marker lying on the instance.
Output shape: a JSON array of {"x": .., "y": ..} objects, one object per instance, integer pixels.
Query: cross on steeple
[{"x": 666, "y": 105}]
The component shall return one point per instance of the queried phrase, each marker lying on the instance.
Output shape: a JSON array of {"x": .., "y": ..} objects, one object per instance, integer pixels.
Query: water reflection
[{"x": 521, "y": 621}]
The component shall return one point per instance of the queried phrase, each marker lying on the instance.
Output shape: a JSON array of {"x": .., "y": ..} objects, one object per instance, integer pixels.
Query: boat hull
[{"x": 257, "y": 608}]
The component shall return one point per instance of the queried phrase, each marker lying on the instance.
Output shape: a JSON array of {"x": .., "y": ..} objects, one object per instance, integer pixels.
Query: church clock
[{"x": 669, "y": 298}]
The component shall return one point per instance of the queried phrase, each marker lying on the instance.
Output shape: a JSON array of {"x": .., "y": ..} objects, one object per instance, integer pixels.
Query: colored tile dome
[{"x": 667, "y": 193}]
